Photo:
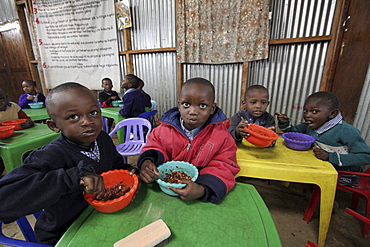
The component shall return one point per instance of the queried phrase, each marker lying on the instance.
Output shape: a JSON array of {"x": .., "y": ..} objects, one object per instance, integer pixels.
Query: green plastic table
[
  {"x": 241, "y": 219},
  {"x": 22, "y": 141},
  {"x": 113, "y": 112},
  {"x": 37, "y": 114}
]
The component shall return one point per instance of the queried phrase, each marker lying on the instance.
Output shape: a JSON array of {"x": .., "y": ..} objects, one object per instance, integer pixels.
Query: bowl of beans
[
  {"x": 171, "y": 172},
  {"x": 120, "y": 188},
  {"x": 298, "y": 141}
]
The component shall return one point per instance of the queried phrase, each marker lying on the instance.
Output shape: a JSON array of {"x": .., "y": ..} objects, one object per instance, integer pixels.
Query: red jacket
[{"x": 212, "y": 151}]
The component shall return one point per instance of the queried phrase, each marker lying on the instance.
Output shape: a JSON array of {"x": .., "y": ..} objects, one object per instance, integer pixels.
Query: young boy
[
  {"x": 336, "y": 141},
  {"x": 31, "y": 95},
  {"x": 256, "y": 100},
  {"x": 107, "y": 95},
  {"x": 134, "y": 101},
  {"x": 51, "y": 178},
  {"x": 194, "y": 132}
]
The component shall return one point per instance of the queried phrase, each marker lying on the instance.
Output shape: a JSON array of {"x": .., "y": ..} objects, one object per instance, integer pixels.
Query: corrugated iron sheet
[
  {"x": 362, "y": 119},
  {"x": 8, "y": 11}
]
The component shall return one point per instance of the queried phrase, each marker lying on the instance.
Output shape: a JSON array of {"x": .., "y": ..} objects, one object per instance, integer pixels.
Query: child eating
[
  {"x": 51, "y": 178},
  {"x": 336, "y": 141},
  {"x": 194, "y": 132}
]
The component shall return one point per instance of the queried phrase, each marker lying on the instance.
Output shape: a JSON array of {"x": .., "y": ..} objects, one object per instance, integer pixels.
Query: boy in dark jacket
[
  {"x": 194, "y": 132},
  {"x": 134, "y": 100},
  {"x": 51, "y": 178}
]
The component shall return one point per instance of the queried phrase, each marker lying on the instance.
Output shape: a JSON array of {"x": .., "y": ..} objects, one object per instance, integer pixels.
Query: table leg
[{"x": 326, "y": 207}]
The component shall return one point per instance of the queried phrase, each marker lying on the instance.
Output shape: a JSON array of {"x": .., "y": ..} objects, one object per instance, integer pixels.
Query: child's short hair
[
  {"x": 105, "y": 79},
  {"x": 133, "y": 79},
  {"x": 60, "y": 88},
  {"x": 327, "y": 97},
  {"x": 33, "y": 83},
  {"x": 199, "y": 80},
  {"x": 250, "y": 88}
]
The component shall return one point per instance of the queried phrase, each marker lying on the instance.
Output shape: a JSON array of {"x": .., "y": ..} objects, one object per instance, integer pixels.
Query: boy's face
[
  {"x": 107, "y": 85},
  {"x": 3, "y": 101},
  {"x": 196, "y": 104},
  {"x": 77, "y": 115},
  {"x": 316, "y": 112},
  {"x": 28, "y": 88},
  {"x": 126, "y": 84},
  {"x": 256, "y": 102}
]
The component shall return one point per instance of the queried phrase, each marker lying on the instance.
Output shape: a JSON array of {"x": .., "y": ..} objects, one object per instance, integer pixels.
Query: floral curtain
[{"x": 222, "y": 31}]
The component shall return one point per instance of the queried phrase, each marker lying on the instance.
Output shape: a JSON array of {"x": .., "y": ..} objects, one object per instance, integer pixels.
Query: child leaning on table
[
  {"x": 134, "y": 100},
  {"x": 336, "y": 141},
  {"x": 256, "y": 100},
  {"x": 52, "y": 178},
  {"x": 31, "y": 95},
  {"x": 107, "y": 95},
  {"x": 194, "y": 132}
]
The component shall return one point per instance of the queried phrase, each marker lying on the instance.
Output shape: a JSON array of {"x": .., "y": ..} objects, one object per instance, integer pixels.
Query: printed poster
[{"x": 77, "y": 42}]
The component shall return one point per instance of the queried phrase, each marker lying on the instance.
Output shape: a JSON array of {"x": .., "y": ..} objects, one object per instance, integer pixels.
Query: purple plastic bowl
[{"x": 298, "y": 141}]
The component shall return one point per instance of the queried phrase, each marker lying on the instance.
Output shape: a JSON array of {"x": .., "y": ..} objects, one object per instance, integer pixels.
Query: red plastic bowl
[
  {"x": 298, "y": 141},
  {"x": 6, "y": 131},
  {"x": 111, "y": 178},
  {"x": 16, "y": 123},
  {"x": 260, "y": 136}
]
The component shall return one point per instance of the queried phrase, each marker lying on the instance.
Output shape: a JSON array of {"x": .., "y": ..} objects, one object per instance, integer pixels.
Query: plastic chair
[
  {"x": 154, "y": 105},
  {"x": 136, "y": 131},
  {"x": 105, "y": 126},
  {"x": 27, "y": 232},
  {"x": 360, "y": 190},
  {"x": 311, "y": 244},
  {"x": 149, "y": 115}
]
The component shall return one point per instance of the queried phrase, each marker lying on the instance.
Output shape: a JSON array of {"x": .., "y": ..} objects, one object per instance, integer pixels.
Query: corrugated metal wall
[
  {"x": 290, "y": 73},
  {"x": 8, "y": 12},
  {"x": 362, "y": 119}
]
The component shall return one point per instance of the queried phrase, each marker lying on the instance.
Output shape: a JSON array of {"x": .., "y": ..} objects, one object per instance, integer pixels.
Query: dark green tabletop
[
  {"x": 241, "y": 219},
  {"x": 37, "y": 114}
]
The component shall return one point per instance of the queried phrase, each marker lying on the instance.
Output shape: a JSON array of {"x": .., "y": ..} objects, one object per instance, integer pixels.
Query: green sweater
[{"x": 347, "y": 149}]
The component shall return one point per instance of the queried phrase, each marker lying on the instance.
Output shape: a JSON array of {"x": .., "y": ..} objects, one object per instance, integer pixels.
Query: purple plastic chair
[
  {"x": 28, "y": 234},
  {"x": 136, "y": 131}
]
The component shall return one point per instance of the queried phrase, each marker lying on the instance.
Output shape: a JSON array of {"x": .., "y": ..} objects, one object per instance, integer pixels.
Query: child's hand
[
  {"x": 28, "y": 124},
  {"x": 240, "y": 131},
  {"x": 93, "y": 183},
  {"x": 282, "y": 118},
  {"x": 271, "y": 128},
  {"x": 113, "y": 97},
  {"x": 321, "y": 154},
  {"x": 190, "y": 192},
  {"x": 148, "y": 172},
  {"x": 30, "y": 97}
]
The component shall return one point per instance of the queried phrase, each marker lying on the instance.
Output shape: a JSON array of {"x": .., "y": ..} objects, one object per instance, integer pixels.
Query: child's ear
[
  {"x": 213, "y": 109},
  {"x": 52, "y": 125},
  {"x": 333, "y": 113}
]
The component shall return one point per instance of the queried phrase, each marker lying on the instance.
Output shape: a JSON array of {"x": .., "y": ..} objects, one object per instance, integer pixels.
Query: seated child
[
  {"x": 134, "y": 101},
  {"x": 336, "y": 141},
  {"x": 147, "y": 96},
  {"x": 31, "y": 95},
  {"x": 194, "y": 132},
  {"x": 54, "y": 178},
  {"x": 256, "y": 100},
  {"x": 107, "y": 96}
]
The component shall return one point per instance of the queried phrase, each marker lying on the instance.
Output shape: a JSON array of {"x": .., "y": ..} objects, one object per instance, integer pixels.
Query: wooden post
[
  {"x": 128, "y": 47},
  {"x": 245, "y": 72}
]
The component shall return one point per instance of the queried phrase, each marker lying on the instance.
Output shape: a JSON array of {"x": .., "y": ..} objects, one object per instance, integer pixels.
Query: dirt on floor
[{"x": 287, "y": 207}]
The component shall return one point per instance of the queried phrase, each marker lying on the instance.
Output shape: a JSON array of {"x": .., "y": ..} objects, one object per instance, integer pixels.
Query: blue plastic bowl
[
  {"x": 298, "y": 141},
  {"x": 36, "y": 105},
  {"x": 116, "y": 103},
  {"x": 170, "y": 166}
]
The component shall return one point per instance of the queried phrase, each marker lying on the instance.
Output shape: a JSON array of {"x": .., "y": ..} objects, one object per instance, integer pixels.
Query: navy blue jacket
[
  {"x": 134, "y": 103},
  {"x": 49, "y": 179}
]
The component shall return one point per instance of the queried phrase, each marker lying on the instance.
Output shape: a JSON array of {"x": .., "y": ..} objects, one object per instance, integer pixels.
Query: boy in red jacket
[{"x": 194, "y": 132}]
